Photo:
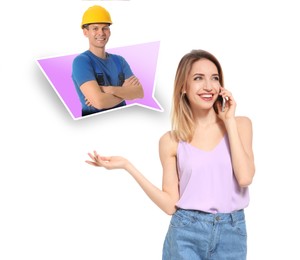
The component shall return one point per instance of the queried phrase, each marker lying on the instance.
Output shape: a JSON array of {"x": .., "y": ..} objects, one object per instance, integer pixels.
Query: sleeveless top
[{"x": 206, "y": 179}]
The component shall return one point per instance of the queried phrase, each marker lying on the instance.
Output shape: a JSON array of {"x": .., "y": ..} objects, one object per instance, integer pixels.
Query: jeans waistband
[{"x": 214, "y": 217}]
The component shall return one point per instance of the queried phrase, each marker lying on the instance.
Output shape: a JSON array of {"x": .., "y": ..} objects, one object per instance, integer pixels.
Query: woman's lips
[{"x": 206, "y": 97}]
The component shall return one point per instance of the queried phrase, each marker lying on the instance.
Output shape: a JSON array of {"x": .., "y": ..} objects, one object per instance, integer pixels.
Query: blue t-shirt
[{"x": 87, "y": 65}]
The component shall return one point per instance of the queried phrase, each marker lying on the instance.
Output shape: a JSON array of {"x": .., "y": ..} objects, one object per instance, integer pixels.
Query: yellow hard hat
[{"x": 95, "y": 14}]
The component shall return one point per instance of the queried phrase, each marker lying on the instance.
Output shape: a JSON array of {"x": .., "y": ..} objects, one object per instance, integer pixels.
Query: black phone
[
  {"x": 222, "y": 101},
  {"x": 223, "y": 104}
]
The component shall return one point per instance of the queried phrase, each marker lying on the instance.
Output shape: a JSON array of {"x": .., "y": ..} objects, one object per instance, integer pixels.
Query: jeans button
[{"x": 217, "y": 218}]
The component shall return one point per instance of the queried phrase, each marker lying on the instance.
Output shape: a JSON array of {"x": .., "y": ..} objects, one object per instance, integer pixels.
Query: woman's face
[{"x": 203, "y": 84}]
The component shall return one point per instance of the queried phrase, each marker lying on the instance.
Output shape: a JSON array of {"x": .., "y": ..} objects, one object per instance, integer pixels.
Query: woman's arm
[
  {"x": 239, "y": 130},
  {"x": 169, "y": 195}
]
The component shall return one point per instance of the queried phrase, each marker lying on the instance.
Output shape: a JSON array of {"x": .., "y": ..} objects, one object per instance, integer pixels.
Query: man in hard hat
[{"x": 103, "y": 81}]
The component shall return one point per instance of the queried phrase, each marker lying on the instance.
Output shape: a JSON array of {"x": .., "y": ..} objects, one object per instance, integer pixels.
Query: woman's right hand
[{"x": 108, "y": 162}]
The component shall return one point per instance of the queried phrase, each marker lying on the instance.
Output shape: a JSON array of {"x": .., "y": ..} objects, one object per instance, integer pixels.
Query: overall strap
[
  {"x": 121, "y": 75},
  {"x": 100, "y": 75}
]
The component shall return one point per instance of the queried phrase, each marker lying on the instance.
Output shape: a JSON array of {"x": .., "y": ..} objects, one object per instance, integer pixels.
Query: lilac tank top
[{"x": 206, "y": 179}]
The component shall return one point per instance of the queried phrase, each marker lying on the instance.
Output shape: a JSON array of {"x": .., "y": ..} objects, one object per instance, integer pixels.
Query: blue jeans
[{"x": 196, "y": 235}]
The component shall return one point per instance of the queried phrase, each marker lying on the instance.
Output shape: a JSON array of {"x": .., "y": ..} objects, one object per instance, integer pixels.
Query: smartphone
[
  {"x": 222, "y": 101},
  {"x": 223, "y": 104}
]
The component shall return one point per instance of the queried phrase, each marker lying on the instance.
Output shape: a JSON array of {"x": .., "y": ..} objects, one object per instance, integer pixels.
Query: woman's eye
[
  {"x": 216, "y": 78},
  {"x": 198, "y": 78}
]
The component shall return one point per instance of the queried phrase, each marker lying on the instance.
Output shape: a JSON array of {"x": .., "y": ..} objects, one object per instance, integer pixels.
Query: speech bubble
[{"x": 142, "y": 59}]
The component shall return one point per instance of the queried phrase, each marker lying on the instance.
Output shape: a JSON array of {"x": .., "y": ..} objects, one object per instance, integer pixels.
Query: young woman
[{"x": 207, "y": 162}]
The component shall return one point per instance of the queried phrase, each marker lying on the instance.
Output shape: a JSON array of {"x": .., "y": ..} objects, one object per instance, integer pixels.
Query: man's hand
[{"x": 131, "y": 89}]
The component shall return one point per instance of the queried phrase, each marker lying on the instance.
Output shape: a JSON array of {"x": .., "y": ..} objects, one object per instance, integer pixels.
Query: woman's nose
[{"x": 207, "y": 86}]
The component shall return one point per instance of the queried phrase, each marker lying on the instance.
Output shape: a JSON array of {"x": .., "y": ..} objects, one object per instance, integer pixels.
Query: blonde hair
[{"x": 182, "y": 116}]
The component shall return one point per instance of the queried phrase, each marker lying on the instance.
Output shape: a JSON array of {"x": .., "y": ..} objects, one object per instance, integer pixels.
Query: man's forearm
[
  {"x": 105, "y": 101},
  {"x": 125, "y": 92}
]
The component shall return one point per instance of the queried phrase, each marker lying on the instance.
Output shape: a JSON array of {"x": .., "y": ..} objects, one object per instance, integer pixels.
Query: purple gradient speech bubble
[{"x": 142, "y": 59}]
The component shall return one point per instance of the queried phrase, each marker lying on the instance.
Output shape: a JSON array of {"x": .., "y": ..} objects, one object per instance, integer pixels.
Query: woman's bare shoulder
[
  {"x": 243, "y": 119},
  {"x": 168, "y": 141},
  {"x": 244, "y": 123}
]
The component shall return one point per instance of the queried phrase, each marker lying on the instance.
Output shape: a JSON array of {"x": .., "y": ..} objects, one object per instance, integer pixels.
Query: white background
[{"x": 54, "y": 206}]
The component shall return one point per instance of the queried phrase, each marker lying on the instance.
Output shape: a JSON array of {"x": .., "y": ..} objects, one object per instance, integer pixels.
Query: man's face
[{"x": 98, "y": 34}]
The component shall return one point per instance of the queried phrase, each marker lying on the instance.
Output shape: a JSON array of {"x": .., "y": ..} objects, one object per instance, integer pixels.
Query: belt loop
[{"x": 233, "y": 220}]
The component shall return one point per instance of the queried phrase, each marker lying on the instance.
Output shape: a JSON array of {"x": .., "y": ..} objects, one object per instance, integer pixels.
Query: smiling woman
[
  {"x": 207, "y": 163},
  {"x": 203, "y": 85}
]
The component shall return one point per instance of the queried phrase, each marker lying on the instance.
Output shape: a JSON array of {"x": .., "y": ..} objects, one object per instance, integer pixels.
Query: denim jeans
[{"x": 196, "y": 235}]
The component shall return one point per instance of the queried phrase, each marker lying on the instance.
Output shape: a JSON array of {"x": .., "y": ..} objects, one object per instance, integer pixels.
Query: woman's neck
[{"x": 204, "y": 118}]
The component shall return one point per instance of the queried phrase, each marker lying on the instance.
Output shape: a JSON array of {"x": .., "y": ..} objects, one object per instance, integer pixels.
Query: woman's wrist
[
  {"x": 230, "y": 122},
  {"x": 128, "y": 166}
]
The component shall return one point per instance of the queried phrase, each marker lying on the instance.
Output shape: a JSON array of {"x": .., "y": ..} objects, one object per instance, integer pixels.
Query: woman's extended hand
[
  {"x": 108, "y": 162},
  {"x": 230, "y": 106}
]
